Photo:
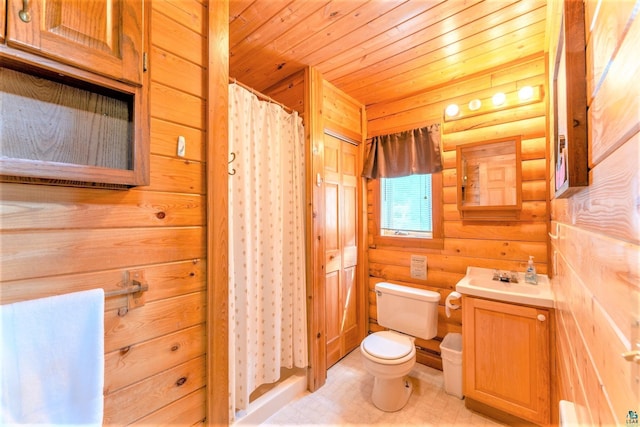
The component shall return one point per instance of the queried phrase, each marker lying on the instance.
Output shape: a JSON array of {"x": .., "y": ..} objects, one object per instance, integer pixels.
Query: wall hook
[{"x": 233, "y": 157}]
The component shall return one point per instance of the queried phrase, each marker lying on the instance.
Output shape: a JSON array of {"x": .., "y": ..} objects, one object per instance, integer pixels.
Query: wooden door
[
  {"x": 506, "y": 357},
  {"x": 341, "y": 249},
  {"x": 102, "y": 36}
]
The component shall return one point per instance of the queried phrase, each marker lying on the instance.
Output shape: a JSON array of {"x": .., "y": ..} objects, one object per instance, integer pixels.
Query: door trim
[{"x": 315, "y": 124}]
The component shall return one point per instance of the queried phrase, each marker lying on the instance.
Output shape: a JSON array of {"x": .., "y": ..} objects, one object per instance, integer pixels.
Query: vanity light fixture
[
  {"x": 525, "y": 93},
  {"x": 452, "y": 110},
  {"x": 499, "y": 99}
]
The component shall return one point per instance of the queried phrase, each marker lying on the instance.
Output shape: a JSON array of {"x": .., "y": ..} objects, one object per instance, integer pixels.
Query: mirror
[{"x": 489, "y": 178}]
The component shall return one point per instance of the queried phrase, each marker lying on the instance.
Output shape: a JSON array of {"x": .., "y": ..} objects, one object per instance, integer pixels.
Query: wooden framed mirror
[
  {"x": 570, "y": 141},
  {"x": 489, "y": 179}
]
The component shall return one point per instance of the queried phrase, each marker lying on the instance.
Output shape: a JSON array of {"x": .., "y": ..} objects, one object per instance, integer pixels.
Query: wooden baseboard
[{"x": 428, "y": 358}]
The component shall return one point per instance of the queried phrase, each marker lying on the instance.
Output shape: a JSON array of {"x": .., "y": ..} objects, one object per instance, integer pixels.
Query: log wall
[{"x": 505, "y": 245}]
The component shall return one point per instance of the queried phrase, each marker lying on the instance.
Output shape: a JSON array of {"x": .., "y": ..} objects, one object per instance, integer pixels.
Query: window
[
  {"x": 405, "y": 206},
  {"x": 408, "y": 211}
]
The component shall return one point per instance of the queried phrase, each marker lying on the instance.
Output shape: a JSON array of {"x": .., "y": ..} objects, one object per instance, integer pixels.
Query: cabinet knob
[
  {"x": 24, "y": 14},
  {"x": 542, "y": 317}
]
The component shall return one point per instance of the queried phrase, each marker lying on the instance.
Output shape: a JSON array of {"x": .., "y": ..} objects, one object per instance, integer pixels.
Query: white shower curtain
[{"x": 267, "y": 315}]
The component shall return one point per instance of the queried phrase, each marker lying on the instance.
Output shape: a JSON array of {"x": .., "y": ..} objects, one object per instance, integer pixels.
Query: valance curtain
[{"x": 405, "y": 153}]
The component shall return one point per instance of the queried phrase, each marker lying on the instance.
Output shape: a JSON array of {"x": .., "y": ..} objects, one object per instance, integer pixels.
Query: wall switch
[
  {"x": 419, "y": 267},
  {"x": 182, "y": 146}
]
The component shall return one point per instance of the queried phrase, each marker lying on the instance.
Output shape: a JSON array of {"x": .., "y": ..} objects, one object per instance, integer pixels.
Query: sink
[{"x": 479, "y": 282}]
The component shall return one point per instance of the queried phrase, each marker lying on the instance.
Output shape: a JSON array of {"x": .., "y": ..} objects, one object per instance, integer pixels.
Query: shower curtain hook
[{"x": 233, "y": 157}]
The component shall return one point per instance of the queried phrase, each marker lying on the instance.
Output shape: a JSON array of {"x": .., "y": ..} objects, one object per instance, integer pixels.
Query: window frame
[{"x": 436, "y": 242}]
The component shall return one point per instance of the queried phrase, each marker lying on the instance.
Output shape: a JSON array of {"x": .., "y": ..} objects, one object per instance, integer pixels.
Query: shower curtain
[{"x": 267, "y": 291}]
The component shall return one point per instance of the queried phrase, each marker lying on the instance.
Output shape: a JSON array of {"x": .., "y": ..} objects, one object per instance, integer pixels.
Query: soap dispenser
[{"x": 530, "y": 275}]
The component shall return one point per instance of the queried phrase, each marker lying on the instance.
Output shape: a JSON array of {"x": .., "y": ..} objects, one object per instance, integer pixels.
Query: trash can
[{"x": 451, "y": 351}]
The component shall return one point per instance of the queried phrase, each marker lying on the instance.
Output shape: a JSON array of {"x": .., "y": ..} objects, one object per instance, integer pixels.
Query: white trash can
[{"x": 451, "y": 352}]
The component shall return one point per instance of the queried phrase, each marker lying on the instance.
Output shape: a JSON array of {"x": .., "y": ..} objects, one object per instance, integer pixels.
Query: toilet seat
[{"x": 387, "y": 345}]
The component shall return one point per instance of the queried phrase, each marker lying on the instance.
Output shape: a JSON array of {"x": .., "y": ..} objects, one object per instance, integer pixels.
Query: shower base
[{"x": 268, "y": 399}]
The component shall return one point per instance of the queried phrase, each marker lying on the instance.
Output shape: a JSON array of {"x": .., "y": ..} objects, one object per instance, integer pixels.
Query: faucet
[{"x": 511, "y": 277}]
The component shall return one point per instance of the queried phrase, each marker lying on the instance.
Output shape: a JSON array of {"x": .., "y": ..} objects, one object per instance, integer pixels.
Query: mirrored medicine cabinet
[{"x": 489, "y": 179}]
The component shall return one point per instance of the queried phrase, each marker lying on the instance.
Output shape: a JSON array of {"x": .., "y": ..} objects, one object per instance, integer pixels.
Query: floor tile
[{"x": 345, "y": 400}]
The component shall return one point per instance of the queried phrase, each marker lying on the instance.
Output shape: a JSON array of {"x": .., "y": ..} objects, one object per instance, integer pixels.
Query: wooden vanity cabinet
[
  {"x": 506, "y": 358},
  {"x": 101, "y": 36}
]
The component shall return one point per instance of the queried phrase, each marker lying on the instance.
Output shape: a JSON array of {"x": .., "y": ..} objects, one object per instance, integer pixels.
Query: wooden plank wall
[
  {"x": 506, "y": 244},
  {"x": 291, "y": 92},
  {"x": 596, "y": 252},
  {"x": 60, "y": 239}
]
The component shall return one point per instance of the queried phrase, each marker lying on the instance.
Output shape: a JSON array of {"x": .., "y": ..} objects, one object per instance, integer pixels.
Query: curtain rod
[{"x": 261, "y": 95}]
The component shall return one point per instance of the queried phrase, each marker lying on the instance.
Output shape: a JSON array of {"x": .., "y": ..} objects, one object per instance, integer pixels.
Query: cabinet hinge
[{"x": 145, "y": 62}]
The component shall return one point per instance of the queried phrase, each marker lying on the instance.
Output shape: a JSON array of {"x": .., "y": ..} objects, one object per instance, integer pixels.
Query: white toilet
[{"x": 390, "y": 355}]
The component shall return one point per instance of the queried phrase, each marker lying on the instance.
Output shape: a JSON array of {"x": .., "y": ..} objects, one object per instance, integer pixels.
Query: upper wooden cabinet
[
  {"x": 101, "y": 36},
  {"x": 73, "y": 93}
]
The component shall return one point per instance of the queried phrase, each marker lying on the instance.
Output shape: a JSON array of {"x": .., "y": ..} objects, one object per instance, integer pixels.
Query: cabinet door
[
  {"x": 506, "y": 357},
  {"x": 103, "y": 36}
]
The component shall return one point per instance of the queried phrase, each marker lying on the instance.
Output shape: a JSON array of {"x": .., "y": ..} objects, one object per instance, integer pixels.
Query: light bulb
[
  {"x": 499, "y": 98},
  {"x": 475, "y": 104},
  {"x": 452, "y": 110},
  {"x": 525, "y": 93}
]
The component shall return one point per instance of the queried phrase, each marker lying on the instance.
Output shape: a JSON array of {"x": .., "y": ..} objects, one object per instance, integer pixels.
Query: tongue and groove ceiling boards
[{"x": 380, "y": 50}]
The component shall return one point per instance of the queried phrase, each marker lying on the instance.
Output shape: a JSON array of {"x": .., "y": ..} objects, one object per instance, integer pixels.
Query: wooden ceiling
[{"x": 380, "y": 50}]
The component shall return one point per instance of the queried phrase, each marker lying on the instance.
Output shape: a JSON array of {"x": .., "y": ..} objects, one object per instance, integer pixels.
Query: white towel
[{"x": 52, "y": 360}]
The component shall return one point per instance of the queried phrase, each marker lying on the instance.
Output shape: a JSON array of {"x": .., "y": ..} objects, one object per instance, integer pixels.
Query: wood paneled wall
[
  {"x": 596, "y": 252},
  {"x": 60, "y": 239},
  {"x": 505, "y": 245}
]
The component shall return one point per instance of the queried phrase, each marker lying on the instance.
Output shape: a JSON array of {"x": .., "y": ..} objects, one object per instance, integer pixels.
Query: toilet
[{"x": 390, "y": 355}]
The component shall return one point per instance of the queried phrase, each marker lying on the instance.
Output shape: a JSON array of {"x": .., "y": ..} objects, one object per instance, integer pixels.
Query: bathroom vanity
[{"x": 506, "y": 346}]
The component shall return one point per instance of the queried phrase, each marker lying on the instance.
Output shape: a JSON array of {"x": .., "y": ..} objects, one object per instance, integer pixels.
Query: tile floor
[{"x": 345, "y": 400}]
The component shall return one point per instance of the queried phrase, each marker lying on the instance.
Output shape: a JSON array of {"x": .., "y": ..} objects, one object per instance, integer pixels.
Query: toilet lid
[{"x": 387, "y": 345}]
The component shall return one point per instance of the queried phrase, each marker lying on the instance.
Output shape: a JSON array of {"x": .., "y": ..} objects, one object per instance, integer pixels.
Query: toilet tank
[{"x": 411, "y": 311}]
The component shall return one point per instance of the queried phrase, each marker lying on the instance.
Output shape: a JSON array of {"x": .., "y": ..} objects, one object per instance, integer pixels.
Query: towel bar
[{"x": 137, "y": 287}]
